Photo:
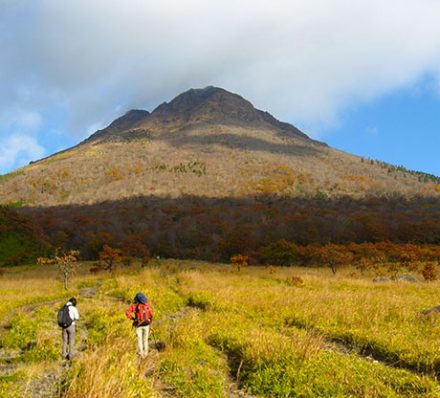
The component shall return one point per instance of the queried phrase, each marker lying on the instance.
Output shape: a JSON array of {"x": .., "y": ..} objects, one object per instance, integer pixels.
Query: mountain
[
  {"x": 207, "y": 176},
  {"x": 207, "y": 143}
]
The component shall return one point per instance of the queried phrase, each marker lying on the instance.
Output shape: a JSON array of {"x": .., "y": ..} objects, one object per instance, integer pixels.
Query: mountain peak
[
  {"x": 197, "y": 107},
  {"x": 214, "y": 105},
  {"x": 192, "y": 99}
]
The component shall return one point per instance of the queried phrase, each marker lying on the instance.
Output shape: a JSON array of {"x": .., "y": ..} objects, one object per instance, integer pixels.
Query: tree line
[{"x": 216, "y": 229}]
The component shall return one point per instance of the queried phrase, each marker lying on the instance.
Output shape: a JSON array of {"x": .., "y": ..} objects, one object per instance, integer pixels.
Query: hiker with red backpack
[
  {"x": 66, "y": 317},
  {"x": 141, "y": 314}
]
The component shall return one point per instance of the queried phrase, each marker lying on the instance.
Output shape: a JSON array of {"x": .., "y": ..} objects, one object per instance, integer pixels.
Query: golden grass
[
  {"x": 252, "y": 329},
  {"x": 356, "y": 311}
]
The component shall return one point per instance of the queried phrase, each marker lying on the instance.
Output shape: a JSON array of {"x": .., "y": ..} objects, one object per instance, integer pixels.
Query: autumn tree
[
  {"x": 239, "y": 261},
  {"x": 97, "y": 241},
  {"x": 335, "y": 256},
  {"x": 65, "y": 262},
  {"x": 408, "y": 255},
  {"x": 364, "y": 264},
  {"x": 429, "y": 272},
  {"x": 134, "y": 247},
  {"x": 110, "y": 257}
]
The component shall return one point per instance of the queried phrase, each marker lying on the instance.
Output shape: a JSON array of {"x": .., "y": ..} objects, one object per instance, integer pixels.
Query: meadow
[{"x": 219, "y": 332}]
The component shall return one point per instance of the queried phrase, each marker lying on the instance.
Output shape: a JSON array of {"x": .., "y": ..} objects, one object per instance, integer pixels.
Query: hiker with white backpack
[
  {"x": 141, "y": 314},
  {"x": 67, "y": 316}
]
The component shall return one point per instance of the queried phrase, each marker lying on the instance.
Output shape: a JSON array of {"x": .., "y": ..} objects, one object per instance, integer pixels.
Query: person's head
[
  {"x": 140, "y": 298},
  {"x": 73, "y": 301}
]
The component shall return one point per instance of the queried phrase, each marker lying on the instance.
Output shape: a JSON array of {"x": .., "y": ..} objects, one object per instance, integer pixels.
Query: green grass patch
[{"x": 30, "y": 333}]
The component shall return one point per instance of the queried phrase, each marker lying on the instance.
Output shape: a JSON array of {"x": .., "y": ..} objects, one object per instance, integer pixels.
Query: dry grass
[{"x": 252, "y": 330}]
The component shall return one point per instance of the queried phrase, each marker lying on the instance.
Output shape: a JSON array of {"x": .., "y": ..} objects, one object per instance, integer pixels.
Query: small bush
[
  {"x": 429, "y": 272},
  {"x": 295, "y": 280}
]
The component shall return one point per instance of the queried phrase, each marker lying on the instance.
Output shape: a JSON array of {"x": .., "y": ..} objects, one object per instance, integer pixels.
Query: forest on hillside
[{"x": 216, "y": 229}]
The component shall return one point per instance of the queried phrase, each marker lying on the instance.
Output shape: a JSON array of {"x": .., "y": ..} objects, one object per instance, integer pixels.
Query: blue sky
[
  {"x": 402, "y": 128},
  {"x": 360, "y": 75}
]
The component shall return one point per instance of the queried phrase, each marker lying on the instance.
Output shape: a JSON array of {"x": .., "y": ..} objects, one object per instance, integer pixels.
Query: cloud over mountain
[{"x": 85, "y": 62}]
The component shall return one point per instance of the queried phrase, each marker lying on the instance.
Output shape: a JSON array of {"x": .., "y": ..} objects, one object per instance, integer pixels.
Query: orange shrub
[
  {"x": 239, "y": 261},
  {"x": 429, "y": 272}
]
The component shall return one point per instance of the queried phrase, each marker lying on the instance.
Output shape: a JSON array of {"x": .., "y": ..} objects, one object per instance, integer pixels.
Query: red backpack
[{"x": 143, "y": 315}]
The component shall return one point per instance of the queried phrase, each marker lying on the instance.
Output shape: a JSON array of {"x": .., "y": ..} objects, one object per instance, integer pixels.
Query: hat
[{"x": 140, "y": 298}]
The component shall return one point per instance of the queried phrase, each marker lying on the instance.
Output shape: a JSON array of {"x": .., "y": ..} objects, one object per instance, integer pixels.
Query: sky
[{"x": 363, "y": 76}]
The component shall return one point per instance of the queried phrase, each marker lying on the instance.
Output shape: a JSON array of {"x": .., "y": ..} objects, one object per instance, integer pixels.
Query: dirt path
[
  {"x": 49, "y": 384},
  {"x": 11, "y": 359}
]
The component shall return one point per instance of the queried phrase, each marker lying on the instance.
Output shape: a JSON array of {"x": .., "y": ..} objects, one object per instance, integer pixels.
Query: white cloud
[
  {"x": 305, "y": 61},
  {"x": 19, "y": 149},
  {"x": 19, "y": 137},
  {"x": 20, "y": 119}
]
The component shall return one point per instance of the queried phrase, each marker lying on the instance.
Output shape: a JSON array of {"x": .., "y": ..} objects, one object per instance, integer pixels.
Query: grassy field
[{"x": 266, "y": 332}]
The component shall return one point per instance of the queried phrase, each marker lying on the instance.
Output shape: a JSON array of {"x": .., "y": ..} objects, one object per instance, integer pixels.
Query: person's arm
[{"x": 129, "y": 313}]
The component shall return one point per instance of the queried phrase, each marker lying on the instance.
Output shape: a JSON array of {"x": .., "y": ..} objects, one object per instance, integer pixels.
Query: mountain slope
[{"x": 205, "y": 142}]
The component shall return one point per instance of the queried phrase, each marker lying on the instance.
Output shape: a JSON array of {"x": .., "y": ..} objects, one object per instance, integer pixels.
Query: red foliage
[
  {"x": 110, "y": 257},
  {"x": 429, "y": 271},
  {"x": 239, "y": 261}
]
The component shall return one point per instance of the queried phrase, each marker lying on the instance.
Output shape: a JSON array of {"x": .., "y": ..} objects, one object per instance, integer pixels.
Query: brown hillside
[{"x": 209, "y": 143}]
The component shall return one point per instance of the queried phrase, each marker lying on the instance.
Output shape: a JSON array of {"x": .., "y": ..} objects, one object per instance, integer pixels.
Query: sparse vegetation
[{"x": 421, "y": 176}]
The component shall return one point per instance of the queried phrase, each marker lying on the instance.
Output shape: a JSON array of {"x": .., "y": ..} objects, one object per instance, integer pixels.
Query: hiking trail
[{"x": 49, "y": 383}]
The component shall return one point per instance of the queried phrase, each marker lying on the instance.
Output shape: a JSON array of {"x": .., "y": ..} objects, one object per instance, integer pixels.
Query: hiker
[
  {"x": 141, "y": 314},
  {"x": 67, "y": 316}
]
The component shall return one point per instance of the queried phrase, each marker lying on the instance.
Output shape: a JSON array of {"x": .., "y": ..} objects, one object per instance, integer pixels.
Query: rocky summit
[{"x": 197, "y": 109}]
